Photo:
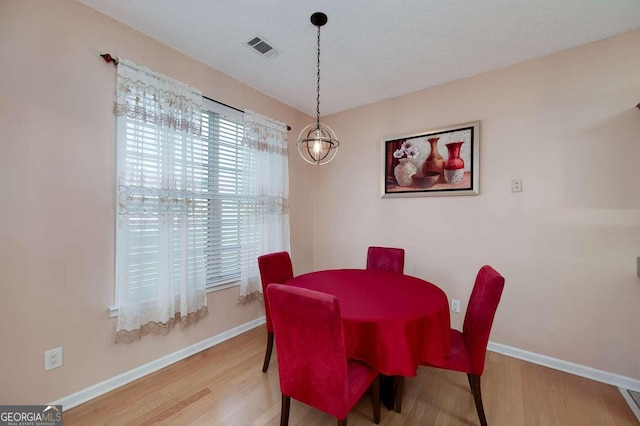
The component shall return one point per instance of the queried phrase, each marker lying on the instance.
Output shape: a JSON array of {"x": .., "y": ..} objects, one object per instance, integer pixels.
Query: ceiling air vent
[{"x": 262, "y": 46}]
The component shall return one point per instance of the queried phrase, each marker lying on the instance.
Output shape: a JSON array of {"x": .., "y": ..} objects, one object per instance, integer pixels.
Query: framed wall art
[{"x": 432, "y": 163}]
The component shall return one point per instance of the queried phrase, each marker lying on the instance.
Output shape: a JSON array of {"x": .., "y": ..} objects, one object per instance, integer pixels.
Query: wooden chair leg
[
  {"x": 342, "y": 422},
  {"x": 470, "y": 384},
  {"x": 375, "y": 399},
  {"x": 398, "y": 386},
  {"x": 477, "y": 396},
  {"x": 284, "y": 413},
  {"x": 267, "y": 355}
]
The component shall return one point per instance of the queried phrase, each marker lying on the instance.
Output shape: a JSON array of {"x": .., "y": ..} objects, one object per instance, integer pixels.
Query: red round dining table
[{"x": 391, "y": 321}]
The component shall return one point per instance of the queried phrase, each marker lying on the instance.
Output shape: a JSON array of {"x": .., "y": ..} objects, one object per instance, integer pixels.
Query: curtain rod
[{"x": 108, "y": 58}]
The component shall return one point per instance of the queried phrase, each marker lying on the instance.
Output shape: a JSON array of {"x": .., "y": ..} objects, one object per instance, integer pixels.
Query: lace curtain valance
[{"x": 153, "y": 98}]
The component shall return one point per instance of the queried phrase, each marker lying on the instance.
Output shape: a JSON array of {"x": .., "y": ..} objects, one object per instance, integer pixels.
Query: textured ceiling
[{"x": 370, "y": 49}]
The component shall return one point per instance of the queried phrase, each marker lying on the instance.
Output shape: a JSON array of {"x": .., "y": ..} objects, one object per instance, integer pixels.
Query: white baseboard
[
  {"x": 108, "y": 385},
  {"x": 568, "y": 367}
]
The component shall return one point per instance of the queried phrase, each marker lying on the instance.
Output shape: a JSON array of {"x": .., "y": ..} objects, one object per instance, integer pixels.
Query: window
[
  {"x": 202, "y": 189},
  {"x": 201, "y": 192},
  {"x": 214, "y": 162}
]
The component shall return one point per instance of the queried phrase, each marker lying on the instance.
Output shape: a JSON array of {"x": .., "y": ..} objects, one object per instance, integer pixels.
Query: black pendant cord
[{"x": 318, "y": 85}]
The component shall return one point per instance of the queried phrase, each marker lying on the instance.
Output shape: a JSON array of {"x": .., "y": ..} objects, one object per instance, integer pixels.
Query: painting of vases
[{"x": 437, "y": 162}]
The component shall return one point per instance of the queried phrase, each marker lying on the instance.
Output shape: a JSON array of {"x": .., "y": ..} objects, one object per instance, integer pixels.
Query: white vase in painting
[{"x": 404, "y": 172}]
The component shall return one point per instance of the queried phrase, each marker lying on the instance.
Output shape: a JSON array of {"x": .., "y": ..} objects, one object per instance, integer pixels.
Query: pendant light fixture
[{"x": 317, "y": 143}]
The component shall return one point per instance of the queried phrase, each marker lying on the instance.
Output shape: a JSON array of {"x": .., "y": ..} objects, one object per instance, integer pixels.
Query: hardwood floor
[{"x": 224, "y": 385}]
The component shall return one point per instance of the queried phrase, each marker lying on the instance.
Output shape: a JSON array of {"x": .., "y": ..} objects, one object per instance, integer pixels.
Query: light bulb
[{"x": 317, "y": 147}]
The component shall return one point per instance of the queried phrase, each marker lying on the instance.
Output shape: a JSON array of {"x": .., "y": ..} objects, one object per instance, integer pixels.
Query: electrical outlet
[
  {"x": 516, "y": 185},
  {"x": 52, "y": 359},
  {"x": 455, "y": 305}
]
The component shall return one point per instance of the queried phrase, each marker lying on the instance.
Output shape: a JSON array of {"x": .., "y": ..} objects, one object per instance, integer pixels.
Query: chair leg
[
  {"x": 284, "y": 413},
  {"x": 477, "y": 396},
  {"x": 375, "y": 399},
  {"x": 398, "y": 386},
  {"x": 267, "y": 355},
  {"x": 470, "y": 384},
  {"x": 342, "y": 422}
]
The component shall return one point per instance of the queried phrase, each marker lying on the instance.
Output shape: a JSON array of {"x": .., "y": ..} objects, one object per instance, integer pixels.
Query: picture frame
[{"x": 438, "y": 162}]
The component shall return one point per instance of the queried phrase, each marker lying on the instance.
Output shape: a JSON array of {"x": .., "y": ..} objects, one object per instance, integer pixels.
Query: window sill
[{"x": 113, "y": 310}]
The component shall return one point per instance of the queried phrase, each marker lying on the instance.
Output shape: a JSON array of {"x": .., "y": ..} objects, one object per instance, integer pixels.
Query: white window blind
[
  {"x": 222, "y": 139},
  {"x": 212, "y": 163}
]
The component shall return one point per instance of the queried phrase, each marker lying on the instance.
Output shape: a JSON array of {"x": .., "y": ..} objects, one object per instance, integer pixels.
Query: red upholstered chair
[
  {"x": 386, "y": 259},
  {"x": 274, "y": 268},
  {"x": 469, "y": 347},
  {"x": 312, "y": 361}
]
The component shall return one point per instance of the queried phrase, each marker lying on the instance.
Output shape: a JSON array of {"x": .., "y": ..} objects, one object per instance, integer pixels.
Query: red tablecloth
[{"x": 391, "y": 321}]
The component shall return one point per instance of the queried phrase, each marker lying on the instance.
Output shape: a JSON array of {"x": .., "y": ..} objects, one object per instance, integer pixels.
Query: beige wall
[
  {"x": 567, "y": 245},
  {"x": 567, "y": 125},
  {"x": 57, "y": 197}
]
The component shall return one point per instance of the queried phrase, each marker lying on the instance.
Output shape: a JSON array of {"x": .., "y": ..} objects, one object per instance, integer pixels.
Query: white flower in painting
[
  {"x": 412, "y": 153},
  {"x": 407, "y": 149},
  {"x": 406, "y": 145}
]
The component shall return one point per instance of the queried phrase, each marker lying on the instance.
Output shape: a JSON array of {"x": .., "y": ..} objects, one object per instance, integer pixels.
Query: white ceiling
[{"x": 370, "y": 49}]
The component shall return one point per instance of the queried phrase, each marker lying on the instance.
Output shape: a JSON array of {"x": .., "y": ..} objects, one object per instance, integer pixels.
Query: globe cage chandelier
[{"x": 317, "y": 143}]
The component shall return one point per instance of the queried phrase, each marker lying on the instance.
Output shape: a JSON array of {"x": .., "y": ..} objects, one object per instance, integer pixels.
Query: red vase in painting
[{"x": 454, "y": 166}]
